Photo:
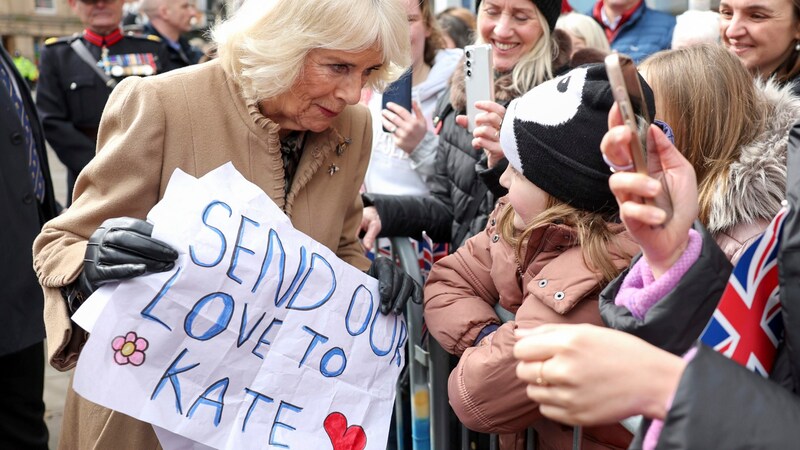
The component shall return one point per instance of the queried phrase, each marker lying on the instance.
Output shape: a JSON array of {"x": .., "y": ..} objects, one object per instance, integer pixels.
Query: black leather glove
[
  {"x": 121, "y": 249},
  {"x": 394, "y": 285}
]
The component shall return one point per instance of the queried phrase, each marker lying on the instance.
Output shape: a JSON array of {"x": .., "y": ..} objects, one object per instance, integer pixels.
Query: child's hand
[{"x": 663, "y": 241}]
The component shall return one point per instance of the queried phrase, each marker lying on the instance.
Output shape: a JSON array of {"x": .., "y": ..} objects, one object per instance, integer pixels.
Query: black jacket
[
  {"x": 676, "y": 321},
  {"x": 21, "y": 324},
  {"x": 720, "y": 404},
  {"x": 71, "y": 96},
  {"x": 463, "y": 189},
  {"x": 446, "y": 214}
]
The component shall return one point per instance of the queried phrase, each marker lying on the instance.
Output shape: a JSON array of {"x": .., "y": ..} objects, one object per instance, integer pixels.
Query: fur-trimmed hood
[
  {"x": 757, "y": 181},
  {"x": 503, "y": 92}
]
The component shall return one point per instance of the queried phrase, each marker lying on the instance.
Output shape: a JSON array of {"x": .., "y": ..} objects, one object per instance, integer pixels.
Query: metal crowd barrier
[
  {"x": 428, "y": 372},
  {"x": 419, "y": 392}
]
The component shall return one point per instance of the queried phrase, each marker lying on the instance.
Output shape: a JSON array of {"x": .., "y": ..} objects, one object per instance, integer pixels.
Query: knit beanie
[
  {"x": 551, "y": 9},
  {"x": 551, "y": 135}
]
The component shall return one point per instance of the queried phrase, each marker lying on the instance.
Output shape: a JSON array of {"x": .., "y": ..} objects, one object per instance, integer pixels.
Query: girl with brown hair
[{"x": 741, "y": 168}]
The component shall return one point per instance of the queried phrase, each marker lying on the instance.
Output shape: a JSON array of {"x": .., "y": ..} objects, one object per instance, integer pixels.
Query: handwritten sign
[{"x": 259, "y": 337}]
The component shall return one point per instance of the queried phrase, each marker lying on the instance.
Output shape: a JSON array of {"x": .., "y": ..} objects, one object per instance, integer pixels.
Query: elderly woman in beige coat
[{"x": 279, "y": 104}]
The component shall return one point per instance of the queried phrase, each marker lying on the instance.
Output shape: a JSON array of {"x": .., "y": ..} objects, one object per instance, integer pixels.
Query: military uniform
[{"x": 71, "y": 95}]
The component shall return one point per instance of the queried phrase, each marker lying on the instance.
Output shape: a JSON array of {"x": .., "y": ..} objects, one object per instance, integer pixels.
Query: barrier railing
[
  {"x": 421, "y": 436},
  {"x": 428, "y": 372}
]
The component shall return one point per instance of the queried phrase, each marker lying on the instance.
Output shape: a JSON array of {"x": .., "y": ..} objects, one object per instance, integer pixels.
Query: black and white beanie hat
[{"x": 552, "y": 135}]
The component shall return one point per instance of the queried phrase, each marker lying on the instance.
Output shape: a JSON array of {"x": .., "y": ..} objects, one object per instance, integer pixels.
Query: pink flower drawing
[{"x": 129, "y": 349}]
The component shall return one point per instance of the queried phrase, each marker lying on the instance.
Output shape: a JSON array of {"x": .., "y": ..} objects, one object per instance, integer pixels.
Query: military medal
[
  {"x": 104, "y": 62},
  {"x": 123, "y": 65}
]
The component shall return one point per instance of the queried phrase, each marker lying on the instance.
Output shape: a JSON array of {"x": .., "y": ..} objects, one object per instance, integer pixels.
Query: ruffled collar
[{"x": 260, "y": 119}]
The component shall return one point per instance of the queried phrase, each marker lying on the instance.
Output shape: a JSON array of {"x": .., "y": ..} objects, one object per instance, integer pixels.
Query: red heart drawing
[{"x": 343, "y": 437}]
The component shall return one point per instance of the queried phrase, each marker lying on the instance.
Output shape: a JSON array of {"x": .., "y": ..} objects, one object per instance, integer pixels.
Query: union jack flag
[
  {"x": 428, "y": 252},
  {"x": 747, "y": 326}
]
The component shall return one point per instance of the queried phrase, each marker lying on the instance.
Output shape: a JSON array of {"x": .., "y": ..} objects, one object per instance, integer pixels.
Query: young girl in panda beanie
[{"x": 549, "y": 248}]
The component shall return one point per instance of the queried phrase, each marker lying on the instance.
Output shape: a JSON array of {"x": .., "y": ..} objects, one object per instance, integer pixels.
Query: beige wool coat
[{"x": 194, "y": 119}]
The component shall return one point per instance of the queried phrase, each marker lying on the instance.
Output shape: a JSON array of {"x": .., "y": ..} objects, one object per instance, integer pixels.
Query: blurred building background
[{"x": 26, "y": 24}]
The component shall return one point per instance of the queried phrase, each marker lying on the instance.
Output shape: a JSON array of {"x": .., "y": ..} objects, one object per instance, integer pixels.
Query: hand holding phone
[
  {"x": 479, "y": 79},
  {"x": 398, "y": 92},
  {"x": 634, "y": 109},
  {"x": 661, "y": 235}
]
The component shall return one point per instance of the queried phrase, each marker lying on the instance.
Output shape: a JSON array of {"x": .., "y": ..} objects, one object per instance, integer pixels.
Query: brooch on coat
[{"x": 342, "y": 146}]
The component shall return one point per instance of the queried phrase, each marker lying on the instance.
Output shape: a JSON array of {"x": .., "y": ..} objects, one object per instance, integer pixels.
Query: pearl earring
[{"x": 797, "y": 47}]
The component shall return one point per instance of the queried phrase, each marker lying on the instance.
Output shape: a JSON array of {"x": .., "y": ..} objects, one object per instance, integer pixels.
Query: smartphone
[
  {"x": 478, "y": 77},
  {"x": 628, "y": 93},
  {"x": 398, "y": 92}
]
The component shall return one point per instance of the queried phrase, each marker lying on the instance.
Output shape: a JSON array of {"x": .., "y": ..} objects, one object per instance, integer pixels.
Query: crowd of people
[{"x": 571, "y": 287}]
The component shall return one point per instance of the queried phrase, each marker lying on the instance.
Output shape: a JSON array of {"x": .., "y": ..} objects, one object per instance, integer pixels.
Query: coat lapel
[{"x": 317, "y": 149}]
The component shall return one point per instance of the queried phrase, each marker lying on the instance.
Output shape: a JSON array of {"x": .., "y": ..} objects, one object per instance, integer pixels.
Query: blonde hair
[
  {"x": 586, "y": 28},
  {"x": 535, "y": 66},
  {"x": 264, "y": 44},
  {"x": 594, "y": 236},
  {"x": 711, "y": 123}
]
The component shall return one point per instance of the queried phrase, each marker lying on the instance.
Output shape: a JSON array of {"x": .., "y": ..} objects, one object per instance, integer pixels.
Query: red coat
[{"x": 460, "y": 296}]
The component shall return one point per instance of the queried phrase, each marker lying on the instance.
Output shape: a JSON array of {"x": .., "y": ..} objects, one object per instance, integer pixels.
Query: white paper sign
[{"x": 259, "y": 337}]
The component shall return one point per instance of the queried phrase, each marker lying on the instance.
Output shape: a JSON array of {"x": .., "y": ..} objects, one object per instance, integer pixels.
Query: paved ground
[
  {"x": 55, "y": 389},
  {"x": 55, "y": 382}
]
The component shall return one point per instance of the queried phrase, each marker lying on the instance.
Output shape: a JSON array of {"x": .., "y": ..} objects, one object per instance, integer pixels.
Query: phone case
[
  {"x": 479, "y": 78},
  {"x": 398, "y": 92},
  {"x": 624, "y": 81},
  {"x": 620, "y": 92}
]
